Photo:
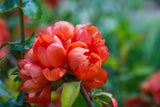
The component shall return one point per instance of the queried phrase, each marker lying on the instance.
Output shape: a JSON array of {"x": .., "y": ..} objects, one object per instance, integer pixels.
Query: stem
[
  {"x": 86, "y": 97},
  {"x": 21, "y": 20}
]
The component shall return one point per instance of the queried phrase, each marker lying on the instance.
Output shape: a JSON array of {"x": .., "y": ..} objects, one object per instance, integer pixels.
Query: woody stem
[
  {"x": 86, "y": 97},
  {"x": 21, "y": 20}
]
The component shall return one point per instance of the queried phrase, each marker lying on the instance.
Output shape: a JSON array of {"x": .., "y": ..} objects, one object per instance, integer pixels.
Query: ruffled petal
[
  {"x": 98, "y": 80},
  {"x": 29, "y": 55},
  {"x": 24, "y": 74},
  {"x": 36, "y": 74},
  {"x": 83, "y": 64},
  {"x": 54, "y": 74},
  {"x": 63, "y": 30},
  {"x": 102, "y": 51},
  {"x": 77, "y": 58},
  {"x": 85, "y": 37},
  {"x": 75, "y": 45},
  {"x": 30, "y": 86}
]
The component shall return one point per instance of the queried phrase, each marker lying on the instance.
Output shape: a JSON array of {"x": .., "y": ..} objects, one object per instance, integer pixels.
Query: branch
[
  {"x": 21, "y": 20},
  {"x": 86, "y": 97}
]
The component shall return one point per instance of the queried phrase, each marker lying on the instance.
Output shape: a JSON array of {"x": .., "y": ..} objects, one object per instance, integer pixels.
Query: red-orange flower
[
  {"x": 152, "y": 85},
  {"x": 62, "y": 47},
  {"x": 92, "y": 37},
  {"x": 45, "y": 51},
  {"x": 136, "y": 102},
  {"x": 84, "y": 65},
  {"x": 4, "y": 37},
  {"x": 34, "y": 83}
]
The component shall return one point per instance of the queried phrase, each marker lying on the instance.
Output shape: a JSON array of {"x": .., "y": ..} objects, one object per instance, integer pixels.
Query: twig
[
  {"x": 21, "y": 20},
  {"x": 86, "y": 97}
]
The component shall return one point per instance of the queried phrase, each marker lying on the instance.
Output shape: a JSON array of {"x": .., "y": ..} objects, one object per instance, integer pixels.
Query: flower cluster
[
  {"x": 4, "y": 37},
  {"x": 152, "y": 85},
  {"x": 63, "y": 48},
  {"x": 136, "y": 102}
]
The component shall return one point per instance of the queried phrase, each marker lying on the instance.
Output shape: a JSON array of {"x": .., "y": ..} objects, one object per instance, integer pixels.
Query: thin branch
[
  {"x": 21, "y": 20},
  {"x": 86, "y": 97}
]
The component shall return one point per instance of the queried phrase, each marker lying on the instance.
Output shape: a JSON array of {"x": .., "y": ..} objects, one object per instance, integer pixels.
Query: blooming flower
[
  {"x": 34, "y": 83},
  {"x": 59, "y": 49}
]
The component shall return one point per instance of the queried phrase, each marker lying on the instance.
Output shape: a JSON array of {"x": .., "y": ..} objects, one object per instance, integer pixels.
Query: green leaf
[
  {"x": 70, "y": 93},
  {"x": 32, "y": 9},
  {"x": 27, "y": 45},
  {"x": 3, "y": 92},
  {"x": 4, "y": 58},
  {"x": 20, "y": 97},
  {"x": 103, "y": 93},
  {"x": 56, "y": 84},
  {"x": 8, "y": 5},
  {"x": 103, "y": 98},
  {"x": 8, "y": 43},
  {"x": 29, "y": 42},
  {"x": 80, "y": 102}
]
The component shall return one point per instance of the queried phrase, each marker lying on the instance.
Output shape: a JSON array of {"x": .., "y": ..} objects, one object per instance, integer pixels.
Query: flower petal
[
  {"x": 49, "y": 31},
  {"x": 100, "y": 78},
  {"x": 42, "y": 57},
  {"x": 54, "y": 74},
  {"x": 29, "y": 55},
  {"x": 75, "y": 45},
  {"x": 63, "y": 30},
  {"x": 77, "y": 58},
  {"x": 102, "y": 51},
  {"x": 36, "y": 74},
  {"x": 56, "y": 55},
  {"x": 47, "y": 38},
  {"x": 30, "y": 86}
]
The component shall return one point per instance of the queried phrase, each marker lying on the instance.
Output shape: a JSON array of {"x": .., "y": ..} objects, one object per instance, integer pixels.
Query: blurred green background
[{"x": 131, "y": 29}]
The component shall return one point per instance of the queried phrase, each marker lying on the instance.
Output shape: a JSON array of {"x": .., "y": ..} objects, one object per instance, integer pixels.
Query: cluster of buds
[{"x": 61, "y": 49}]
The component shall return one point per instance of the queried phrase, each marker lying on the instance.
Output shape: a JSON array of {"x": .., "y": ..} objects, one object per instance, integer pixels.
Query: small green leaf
[
  {"x": 20, "y": 97},
  {"x": 29, "y": 42},
  {"x": 32, "y": 9},
  {"x": 8, "y": 5},
  {"x": 103, "y": 93},
  {"x": 8, "y": 43},
  {"x": 4, "y": 58},
  {"x": 103, "y": 99},
  {"x": 27, "y": 45},
  {"x": 70, "y": 93}
]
